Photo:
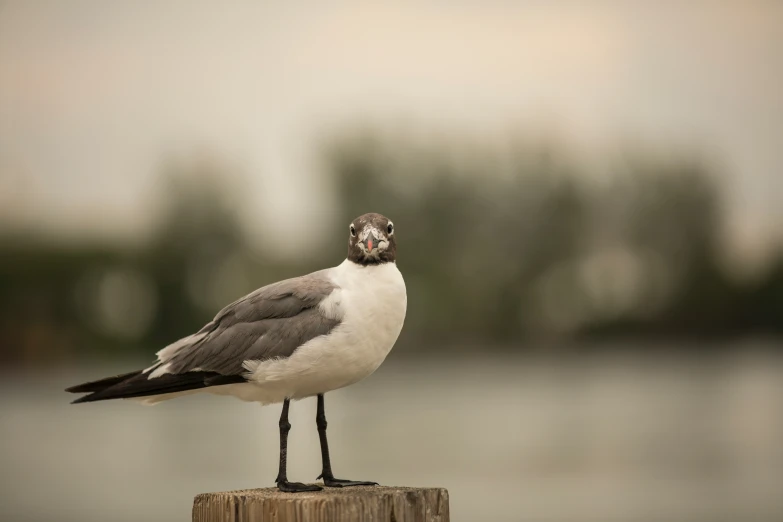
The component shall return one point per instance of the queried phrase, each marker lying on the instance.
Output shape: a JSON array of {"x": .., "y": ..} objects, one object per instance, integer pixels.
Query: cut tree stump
[{"x": 355, "y": 504}]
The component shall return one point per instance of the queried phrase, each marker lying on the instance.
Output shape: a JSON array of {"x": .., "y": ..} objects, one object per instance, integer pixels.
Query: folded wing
[{"x": 271, "y": 322}]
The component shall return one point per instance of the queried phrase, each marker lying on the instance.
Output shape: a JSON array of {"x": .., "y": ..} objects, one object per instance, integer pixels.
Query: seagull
[{"x": 289, "y": 340}]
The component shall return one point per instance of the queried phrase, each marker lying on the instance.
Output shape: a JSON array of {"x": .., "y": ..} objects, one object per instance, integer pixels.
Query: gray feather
[{"x": 272, "y": 321}]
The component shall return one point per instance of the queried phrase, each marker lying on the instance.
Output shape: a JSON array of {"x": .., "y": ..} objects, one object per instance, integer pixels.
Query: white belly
[{"x": 371, "y": 302}]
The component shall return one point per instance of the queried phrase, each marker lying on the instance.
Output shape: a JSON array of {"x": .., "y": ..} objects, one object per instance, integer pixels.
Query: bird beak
[{"x": 370, "y": 242}]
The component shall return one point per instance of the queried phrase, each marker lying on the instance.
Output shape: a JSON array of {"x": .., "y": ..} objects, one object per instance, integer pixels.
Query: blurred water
[{"x": 605, "y": 437}]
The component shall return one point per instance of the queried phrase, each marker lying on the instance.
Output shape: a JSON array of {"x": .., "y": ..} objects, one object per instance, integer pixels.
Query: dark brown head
[{"x": 371, "y": 240}]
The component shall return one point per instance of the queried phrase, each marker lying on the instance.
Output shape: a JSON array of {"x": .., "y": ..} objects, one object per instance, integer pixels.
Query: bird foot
[
  {"x": 296, "y": 487},
  {"x": 331, "y": 482}
]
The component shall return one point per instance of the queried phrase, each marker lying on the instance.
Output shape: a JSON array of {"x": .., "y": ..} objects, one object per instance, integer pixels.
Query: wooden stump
[{"x": 364, "y": 503}]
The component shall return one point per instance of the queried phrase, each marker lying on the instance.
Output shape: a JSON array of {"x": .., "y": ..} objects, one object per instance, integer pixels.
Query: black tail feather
[{"x": 138, "y": 384}]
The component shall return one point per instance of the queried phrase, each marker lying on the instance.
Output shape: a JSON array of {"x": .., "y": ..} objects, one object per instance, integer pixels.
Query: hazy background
[{"x": 587, "y": 207}]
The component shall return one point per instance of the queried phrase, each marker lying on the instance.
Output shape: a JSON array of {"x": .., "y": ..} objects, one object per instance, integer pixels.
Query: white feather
[
  {"x": 371, "y": 303},
  {"x": 161, "y": 370}
]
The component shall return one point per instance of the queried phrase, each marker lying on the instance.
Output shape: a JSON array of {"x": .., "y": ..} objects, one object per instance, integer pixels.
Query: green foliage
[
  {"x": 495, "y": 249},
  {"x": 508, "y": 247}
]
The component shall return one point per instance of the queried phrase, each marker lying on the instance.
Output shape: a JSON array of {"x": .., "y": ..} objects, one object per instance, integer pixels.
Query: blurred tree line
[
  {"x": 524, "y": 245},
  {"x": 497, "y": 250}
]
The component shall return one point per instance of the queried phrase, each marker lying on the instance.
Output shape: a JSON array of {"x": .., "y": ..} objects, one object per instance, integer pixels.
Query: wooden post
[{"x": 356, "y": 504}]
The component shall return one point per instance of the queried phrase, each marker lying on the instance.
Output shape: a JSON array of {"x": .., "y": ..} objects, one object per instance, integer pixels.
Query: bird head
[{"x": 371, "y": 240}]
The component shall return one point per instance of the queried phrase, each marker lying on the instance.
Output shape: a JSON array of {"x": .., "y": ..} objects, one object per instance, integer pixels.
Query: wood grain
[{"x": 366, "y": 503}]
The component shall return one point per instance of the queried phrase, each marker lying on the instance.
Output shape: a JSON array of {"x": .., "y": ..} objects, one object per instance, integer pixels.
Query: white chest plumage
[{"x": 370, "y": 302}]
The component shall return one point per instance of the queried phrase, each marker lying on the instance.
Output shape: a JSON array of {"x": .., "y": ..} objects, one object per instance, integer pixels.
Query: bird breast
[{"x": 371, "y": 301}]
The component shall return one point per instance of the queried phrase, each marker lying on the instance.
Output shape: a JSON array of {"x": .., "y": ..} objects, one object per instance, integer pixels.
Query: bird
[{"x": 289, "y": 340}]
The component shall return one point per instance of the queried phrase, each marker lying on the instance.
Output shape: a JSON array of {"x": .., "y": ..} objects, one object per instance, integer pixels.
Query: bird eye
[
  {"x": 353, "y": 230},
  {"x": 390, "y": 228}
]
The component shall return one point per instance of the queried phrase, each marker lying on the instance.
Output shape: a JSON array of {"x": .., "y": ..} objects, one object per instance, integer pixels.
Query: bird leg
[
  {"x": 326, "y": 473},
  {"x": 282, "y": 478}
]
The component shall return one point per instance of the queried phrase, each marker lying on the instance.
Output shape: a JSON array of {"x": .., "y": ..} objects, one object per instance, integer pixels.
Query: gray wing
[{"x": 271, "y": 322}]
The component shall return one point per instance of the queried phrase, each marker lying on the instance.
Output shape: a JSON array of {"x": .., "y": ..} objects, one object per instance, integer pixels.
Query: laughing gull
[{"x": 289, "y": 340}]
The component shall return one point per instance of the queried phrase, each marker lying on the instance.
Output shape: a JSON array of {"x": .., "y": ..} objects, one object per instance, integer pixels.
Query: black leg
[
  {"x": 282, "y": 478},
  {"x": 326, "y": 473}
]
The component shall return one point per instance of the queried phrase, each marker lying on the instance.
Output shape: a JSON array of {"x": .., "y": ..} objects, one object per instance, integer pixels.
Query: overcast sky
[{"x": 94, "y": 94}]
